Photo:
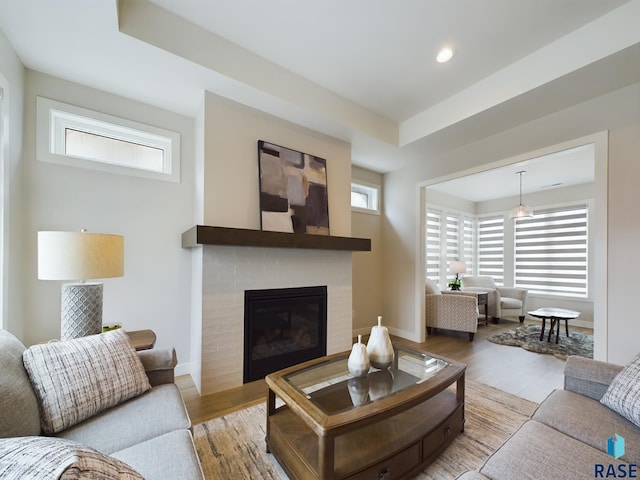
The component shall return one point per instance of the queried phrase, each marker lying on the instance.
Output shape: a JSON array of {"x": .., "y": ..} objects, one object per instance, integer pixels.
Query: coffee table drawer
[
  {"x": 437, "y": 440},
  {"x": 394, "y": 467}
]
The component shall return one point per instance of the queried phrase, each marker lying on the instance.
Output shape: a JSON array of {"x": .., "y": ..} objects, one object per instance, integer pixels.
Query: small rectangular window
[
  {"x": 74, "y": 136},
  {"x": 365, "y": 197}
]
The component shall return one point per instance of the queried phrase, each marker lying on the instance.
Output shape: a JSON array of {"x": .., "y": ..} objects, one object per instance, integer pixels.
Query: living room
[{"x": 161, "y": 288}]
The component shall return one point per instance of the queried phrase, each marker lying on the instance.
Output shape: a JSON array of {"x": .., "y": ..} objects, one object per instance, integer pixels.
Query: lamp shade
[
  {"x": 521, "y": 211},
  {"x": 79, "y": 255},
  {"x": 457, "y": 266}
]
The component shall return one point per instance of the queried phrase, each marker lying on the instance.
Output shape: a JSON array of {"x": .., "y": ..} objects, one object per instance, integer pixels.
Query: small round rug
[{"x": 528, "y": 337}]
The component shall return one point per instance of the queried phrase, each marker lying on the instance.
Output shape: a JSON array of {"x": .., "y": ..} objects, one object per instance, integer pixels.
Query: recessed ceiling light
[{"x": 444, "y": 55}]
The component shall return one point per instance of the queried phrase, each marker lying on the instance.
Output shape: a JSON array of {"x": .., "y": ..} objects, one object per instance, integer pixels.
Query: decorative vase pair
[{"x": 378, "y": 352}]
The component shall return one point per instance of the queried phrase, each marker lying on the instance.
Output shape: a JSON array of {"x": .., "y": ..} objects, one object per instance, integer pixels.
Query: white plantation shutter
[{"x": 551, "y": 255}]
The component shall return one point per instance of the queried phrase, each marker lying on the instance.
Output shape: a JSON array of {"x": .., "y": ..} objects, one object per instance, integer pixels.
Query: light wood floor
[{"x": 511, "y": 369}]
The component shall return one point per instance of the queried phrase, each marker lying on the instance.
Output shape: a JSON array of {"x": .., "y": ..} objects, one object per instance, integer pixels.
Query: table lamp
[
  {"x": 457, "y": 267},
  {"x": 80, "y": 256}
]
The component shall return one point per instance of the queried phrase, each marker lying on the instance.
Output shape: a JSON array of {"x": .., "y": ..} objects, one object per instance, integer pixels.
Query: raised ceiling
[{"x": 360, "y": 70}]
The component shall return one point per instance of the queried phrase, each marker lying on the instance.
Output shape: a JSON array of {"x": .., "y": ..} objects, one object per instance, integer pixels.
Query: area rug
[
  {"x": 233, "y": 446},
  {"x": 528, "y": 337}
]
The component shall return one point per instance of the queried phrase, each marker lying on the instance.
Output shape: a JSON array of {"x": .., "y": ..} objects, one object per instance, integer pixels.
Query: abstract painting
[{"x": 293, "y": 191}]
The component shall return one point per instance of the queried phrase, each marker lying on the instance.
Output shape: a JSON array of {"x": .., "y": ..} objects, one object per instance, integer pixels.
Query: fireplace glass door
[{"x": 283, "y": 327}]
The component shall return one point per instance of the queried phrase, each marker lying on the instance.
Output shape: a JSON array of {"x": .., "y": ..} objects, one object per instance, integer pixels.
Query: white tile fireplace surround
[{"x": 227, "y": 271}]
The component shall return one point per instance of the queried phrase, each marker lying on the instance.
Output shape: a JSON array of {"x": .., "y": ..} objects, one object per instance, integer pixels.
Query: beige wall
[
  {"x": 151, "y": 214},
  {"x": 231, "y": 188},
  {"x": 619, "y": 113},
  {"x": 367, "y": 266},
  {"x": 624, "y": 237},
  {"x": 11, "y": 122}
]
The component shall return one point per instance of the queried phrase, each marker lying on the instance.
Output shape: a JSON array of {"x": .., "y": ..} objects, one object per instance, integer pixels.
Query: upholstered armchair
[
  {"x": 502, "y": 301},
  {"x": 451, "y": 310}
]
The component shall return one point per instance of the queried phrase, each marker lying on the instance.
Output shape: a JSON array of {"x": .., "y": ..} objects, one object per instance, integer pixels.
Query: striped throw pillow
[
  {"x": 24, "y": 458},
  {"x": 623, "y": 394},
  {"x": 76, "y": 379}
]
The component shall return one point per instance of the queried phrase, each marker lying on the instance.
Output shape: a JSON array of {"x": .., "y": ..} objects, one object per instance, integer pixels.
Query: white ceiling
[
  {"x": 567, "y": 168},
  {"x": 360, "y": 70},
  {"x": 381, "y": 53}
]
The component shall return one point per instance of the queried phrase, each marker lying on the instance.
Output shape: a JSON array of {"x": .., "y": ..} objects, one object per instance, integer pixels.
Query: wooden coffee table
[{"x": 388, "y": 425}]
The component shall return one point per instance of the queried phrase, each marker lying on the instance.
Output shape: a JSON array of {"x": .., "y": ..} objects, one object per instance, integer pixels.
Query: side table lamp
[
  {"x": 80, "y": 256},
  {"x": 457, "y": 267}
]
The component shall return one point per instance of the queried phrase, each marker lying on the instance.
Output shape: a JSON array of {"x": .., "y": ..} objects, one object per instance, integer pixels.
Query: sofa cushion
[
  {"x": 589, "y": 377},
  {"x": 594, "y": 425},
  {"x": 15, "y": 389},
  {"x": 482, "y": 281},
  {"x": 172, "y": 455},
  {"x": 155, "y": 412},
  {"x": 76, "y": 379},
  {"x": 537, "y": 451},
  {"x": 623, "y": 395},
  {"x": 52, "y": 458},
  {"x": 510, "y": 303}
]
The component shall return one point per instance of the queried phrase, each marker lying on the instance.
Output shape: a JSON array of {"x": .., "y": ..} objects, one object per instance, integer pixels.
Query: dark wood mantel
[{"x": 205, "y": 235}]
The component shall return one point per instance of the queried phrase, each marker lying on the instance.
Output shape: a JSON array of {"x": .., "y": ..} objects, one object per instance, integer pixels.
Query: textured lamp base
[{"x": 81, "y": 310}]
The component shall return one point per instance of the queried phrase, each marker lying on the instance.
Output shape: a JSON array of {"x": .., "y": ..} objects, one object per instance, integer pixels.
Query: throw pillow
[
  {"x": 623, "y": 394},
  {"x": 23, "y": 458},
  {"x": 76, "y": 379}
]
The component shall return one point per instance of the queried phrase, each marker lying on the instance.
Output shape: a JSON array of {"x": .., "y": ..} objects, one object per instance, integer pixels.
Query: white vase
[
  {"x": 379, "y": 347},
  {"x": 358, "y": 362}
]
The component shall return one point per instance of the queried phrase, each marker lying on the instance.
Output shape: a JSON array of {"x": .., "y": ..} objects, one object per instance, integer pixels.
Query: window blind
[
  {"x": 432, "y": 245},
  {"x": 468, "y": 244},
  {"x": 453, "y": 244},
  {"x": 551, "y": 254},
  {"x": 491, "y": 248}
]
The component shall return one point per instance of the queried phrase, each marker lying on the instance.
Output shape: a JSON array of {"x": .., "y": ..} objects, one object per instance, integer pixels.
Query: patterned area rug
[
  {"x": 528, "y": 337},
  {"x": 233, "y": 446}
]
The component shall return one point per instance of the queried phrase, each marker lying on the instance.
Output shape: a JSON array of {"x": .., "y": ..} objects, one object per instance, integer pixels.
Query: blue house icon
[{"x": 615, "y": 446}]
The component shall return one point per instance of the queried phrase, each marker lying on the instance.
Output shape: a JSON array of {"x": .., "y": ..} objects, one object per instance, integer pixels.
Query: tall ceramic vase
[
  {"x": 358, "y": 362},
  {"x": 379, "y": 347}
]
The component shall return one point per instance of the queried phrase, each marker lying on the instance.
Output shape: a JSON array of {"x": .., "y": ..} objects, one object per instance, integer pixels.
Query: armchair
[
  {"x": 502, "y": 301},
  {"x": 451, "y": 310}
]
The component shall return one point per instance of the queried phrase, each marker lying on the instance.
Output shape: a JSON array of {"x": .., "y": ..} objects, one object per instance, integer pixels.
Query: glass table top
[{"x": 333, "y": 389}]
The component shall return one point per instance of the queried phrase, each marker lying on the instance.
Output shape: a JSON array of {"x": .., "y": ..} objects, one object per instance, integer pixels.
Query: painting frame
[{"x": 293, "y": 190}]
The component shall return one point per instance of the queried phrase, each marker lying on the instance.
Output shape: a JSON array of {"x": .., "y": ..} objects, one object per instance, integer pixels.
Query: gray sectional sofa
[
  {"x": 149, "y": 432},
  {"x": 567, "y": 436}
]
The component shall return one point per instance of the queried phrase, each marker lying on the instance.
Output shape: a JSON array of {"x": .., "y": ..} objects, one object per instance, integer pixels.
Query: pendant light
[{"x": 521, "y": 211}]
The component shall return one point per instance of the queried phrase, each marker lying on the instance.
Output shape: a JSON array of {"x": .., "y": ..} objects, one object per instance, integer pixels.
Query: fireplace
[{"x": 283, "y": 327}]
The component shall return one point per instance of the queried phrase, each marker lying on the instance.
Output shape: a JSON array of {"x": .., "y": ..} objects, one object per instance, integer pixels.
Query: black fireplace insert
[{"x": 283, "y": 327}]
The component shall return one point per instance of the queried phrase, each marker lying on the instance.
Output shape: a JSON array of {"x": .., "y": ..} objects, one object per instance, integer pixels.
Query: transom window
[
  {"x": 365, "y": 197},
  {"x": 74, "y": 136}
]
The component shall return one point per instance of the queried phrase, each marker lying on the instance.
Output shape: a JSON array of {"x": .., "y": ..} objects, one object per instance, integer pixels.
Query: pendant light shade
[{"x": 521, "y": 211}]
